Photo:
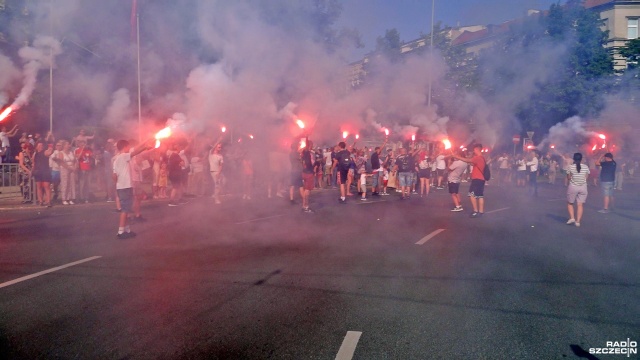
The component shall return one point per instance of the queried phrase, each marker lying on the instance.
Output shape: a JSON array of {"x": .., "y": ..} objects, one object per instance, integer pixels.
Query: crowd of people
[{"x": 85, "y": 168}]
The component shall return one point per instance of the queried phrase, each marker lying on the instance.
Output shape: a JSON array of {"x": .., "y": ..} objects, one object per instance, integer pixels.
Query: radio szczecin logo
[{"x": 627, "y": 347}]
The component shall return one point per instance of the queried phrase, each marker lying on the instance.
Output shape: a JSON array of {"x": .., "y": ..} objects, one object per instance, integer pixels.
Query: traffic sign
[{"x": 516, "y": 139}]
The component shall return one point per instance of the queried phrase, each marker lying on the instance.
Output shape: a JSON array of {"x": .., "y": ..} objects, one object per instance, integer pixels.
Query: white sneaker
[
  {"x": 65, "y": 202},
  {"x": 71, "y": 202},
  {"x": 578, "y": 224},
  {"x": 571, "y": 221}
]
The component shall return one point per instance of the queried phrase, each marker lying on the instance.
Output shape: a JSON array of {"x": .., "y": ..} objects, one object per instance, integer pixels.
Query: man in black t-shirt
[
  {"x": 342, "y": 162},
  {"x": 607, "y": 179},
  {"x": 308, "y": 177},
  {"x": 376, "y": 167}
]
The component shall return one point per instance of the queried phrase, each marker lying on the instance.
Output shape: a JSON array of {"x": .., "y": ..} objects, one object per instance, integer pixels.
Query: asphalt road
[{"x": 385, "y": 279}]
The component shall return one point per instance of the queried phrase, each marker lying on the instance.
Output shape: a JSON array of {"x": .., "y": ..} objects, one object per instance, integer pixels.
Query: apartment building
[{"x": 621, "y": 18}]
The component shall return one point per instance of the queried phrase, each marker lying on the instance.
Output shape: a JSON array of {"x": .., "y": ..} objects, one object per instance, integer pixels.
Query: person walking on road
[
  {"x": 124, "y": 186},
  {"x": 607, "y": 179},
  {"x": 577, "y": 190},
  {"x": 476, "y": 189}
]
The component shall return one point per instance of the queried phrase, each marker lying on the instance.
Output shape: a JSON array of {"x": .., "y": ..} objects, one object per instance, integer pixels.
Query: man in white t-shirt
[
  {"x": 533, "y": 173},
  {"x": 124, "y": 184},
  {"x": 215, "y": 167},
  {"x": 5, "y": 144},
  {"x": 441, "y": 167},
  {"x": 503, "y": 168}
]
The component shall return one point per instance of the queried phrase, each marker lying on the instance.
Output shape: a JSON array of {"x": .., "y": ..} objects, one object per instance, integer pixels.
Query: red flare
[
  {"x": 594, "y": 147},
  {"x": 601, "y": 136},
  {"x": 357, "y": 136},
  {"x": 553, "y": 146},
  {"x": 163, "y": 134},
  {"x": 447, "y": 144},
  {"x": 6, "y": 113},
  {"x": 413, "y": 137},
  {"x": 224, "y": 129},
  {"x": 345, "y": 134},
  {"x": 303, "y": 143},
  {"x": 300, "y": 123},
  {"x": 250, "y": 136},
  {"x": 386, "y": 132},
  {"x": 157, "y": 143}
]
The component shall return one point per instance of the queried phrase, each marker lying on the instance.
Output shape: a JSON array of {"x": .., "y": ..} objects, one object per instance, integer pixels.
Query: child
[
  {"x": 124, "y": 185},
  {"x": 163, "y": 180},
  {"x": 385, "y": 180}
]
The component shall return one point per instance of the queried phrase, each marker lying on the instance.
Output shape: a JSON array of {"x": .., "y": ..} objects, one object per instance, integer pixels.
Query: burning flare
[
  {"x": 601, "y": 136},
  {"x": 250, "y": 136},
  {"x": 413, "y": 137},
  {"x": 386, "y": 132},
  {"x": 157, "y": 143},
  {"x": 224, "y": 129},
  {"x": 303, "y": 143},
  {"x": 357, "y": 136},
  {"x": 163, "y": 134},
  {"x": 594, "y": 147},
  {"x": 447, "y": 144},
  {"x": 345, "y": 134},
  {"x": 300, "y": 123},
  {"x": 6, "y": 113}
]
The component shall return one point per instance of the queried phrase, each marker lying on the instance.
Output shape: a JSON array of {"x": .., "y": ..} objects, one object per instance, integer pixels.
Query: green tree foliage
[
  {"x": 389, "y": 45},
  {"x": 580, "y": 80},
  {"x": 631, "y": 52}
]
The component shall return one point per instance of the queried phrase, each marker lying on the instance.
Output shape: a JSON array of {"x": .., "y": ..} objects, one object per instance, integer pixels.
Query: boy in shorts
[{"x": 124, "y": 185}]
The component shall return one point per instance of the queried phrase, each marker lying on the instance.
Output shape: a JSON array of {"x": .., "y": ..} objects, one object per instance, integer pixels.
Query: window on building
[{"x": 632, "y": 28}]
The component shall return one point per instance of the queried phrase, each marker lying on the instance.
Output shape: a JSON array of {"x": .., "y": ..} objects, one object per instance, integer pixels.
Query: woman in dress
[
  {"x": 42, "y": 173},
  {"x": 577, "y": 189}
]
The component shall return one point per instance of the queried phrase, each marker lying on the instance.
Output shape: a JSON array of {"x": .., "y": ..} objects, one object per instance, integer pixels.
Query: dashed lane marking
[
  {"x": 12, "y": 282},
  {"x": 348, "y": 347},
  {"x": 496, "y": 210},
  {"x": 258, "y": 219},
  {"x": 429, "y": 237}
]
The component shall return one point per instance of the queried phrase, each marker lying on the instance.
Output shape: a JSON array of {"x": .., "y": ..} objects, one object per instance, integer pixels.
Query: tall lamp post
[{"x": 433, "y": 9}]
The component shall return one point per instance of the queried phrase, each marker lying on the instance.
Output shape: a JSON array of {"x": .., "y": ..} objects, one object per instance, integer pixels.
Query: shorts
[
  {"x": 137, "y": 188},
  {"x": 327, "y": 169},
  {"x": 424, "y": 173},
  {"x": 55, "y": 176},
  {"x": 521, "y": 174},
  {"x": 363, "y": 179},
  {"x": 343, "y": 175},
  {"x": 440, "y": 172},
  {"x": 577, "y": 193},
  {"x": 454, "y": 188},
  {"x": 296, "y": 179},
  {"x": 607, "y": 188},
  {"x": 176, "y": 179},
  {"x": 476, "y": 189},
  {"x": 126, "y": 199},
  {"x": 308, "y": 180},
  {"x": 405, "y": 178},
  {"x": 215, "y": 176},
  {"x": 375, "y": 179}
]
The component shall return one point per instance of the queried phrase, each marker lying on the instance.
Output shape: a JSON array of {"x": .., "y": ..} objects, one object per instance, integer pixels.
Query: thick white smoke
[{"x": 41, "y": 55}]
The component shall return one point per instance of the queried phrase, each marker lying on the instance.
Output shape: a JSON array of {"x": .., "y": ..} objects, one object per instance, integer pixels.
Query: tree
[
  {"x": 581, "y": 79},
  {"x": 631, "y": 52},
  {"x": 390, "y": 45}
]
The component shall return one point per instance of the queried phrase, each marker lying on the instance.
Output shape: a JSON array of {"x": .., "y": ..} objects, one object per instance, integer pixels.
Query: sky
[{"x": 411, "y": 17}]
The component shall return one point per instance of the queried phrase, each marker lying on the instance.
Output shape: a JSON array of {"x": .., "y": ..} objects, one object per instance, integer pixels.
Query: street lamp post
[{"x": 433, "y": 8}]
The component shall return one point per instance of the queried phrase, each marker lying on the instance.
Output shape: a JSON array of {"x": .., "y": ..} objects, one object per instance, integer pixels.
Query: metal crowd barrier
[{"x": 12, "y": 189}]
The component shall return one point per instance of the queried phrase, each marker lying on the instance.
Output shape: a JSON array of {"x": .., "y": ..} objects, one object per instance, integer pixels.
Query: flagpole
[
  {"x": 139, "y": 92},
  {"x": 51, "y": 68}
]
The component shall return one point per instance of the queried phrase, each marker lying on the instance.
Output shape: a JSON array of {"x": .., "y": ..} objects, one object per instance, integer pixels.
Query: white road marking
[
  {"x": 8, "y": 283},
  {"x": 370, "y": 202},
  {"x": 258, "y": 219},
  {"x": 428, "y": 237},
  {"x": 496, "y": 210},
  {"x": 348, "y": 346}
]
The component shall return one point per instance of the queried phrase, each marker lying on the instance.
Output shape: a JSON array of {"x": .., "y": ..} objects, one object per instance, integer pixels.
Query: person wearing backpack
[
  {"x": 476, "y": 189},
  {"x": 342, "y": 163}
]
